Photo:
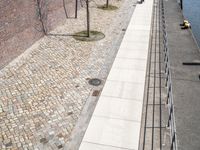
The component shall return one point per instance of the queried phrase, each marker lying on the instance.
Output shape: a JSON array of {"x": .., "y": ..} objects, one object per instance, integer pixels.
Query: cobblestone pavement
[{"x": 43, "y": 91}]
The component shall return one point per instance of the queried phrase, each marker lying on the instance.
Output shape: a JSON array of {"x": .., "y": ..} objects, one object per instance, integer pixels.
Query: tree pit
[
  {"x": 94, "y": 36},
  {"x": 109, "y": 7}
]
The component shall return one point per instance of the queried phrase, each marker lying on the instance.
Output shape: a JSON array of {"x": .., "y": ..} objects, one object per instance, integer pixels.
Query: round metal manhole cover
[{"x": 94, "y": 82}]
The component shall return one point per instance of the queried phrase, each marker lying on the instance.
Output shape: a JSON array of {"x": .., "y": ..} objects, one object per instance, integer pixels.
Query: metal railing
[
  {"x": 180, "y": 2},
  {"x": 169, "y": 102}
]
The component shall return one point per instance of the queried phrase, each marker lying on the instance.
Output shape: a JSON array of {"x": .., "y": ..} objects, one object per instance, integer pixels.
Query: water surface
[{"x": 191, "y": 11}]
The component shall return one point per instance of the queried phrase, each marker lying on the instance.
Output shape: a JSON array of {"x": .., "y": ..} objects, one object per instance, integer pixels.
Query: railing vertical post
[{"x": 181, "y": 3}]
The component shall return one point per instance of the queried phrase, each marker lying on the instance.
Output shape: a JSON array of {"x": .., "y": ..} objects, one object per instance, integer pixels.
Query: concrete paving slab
[
  {"x": 139, "y": 27},
  {"x": 94, "y": 146},
  {"x": 132, "y": 91},
  {"x": 131, "y": 34},
  {"x": 131, "y": 64},
  {"x": 136, "y": 32},
  {"x": 141, "y": 21},
  {"x": 142, "y": 16},
  {"x": 137, "y": 36},
  {"x": 136, "y": 54},
  {"x": 118, "y": 108},
  {"x": 141, "y": 38},
  {"x": 125, "y": 75},
  {"x": 113, "y": 132},
  {"x": 136, "y": 46}
]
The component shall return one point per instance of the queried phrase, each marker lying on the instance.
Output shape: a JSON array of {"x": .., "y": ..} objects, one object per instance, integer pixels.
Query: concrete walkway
[
  {"x": 116, "y": 121},
  {"x": 185, "y": 80}
]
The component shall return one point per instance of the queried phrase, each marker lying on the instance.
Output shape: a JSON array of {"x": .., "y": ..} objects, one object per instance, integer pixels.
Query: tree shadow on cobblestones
[
  {"x": 71, "y": 35},
  {"x": 81, "y": 36}
]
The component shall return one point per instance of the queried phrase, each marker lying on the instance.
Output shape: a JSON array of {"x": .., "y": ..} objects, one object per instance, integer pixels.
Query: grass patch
[{"x": 94, "y": 36}]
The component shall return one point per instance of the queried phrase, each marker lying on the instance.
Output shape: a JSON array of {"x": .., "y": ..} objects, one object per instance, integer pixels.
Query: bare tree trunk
[
  {"x": 107, "y": 3},
  {"x": 41, "y": 16},
  {"x": 81, "y": 3},
  {"x": 88, "y": 18},
  {"x": 76, "y": 9},
  {"x": 65, "y": 9}
]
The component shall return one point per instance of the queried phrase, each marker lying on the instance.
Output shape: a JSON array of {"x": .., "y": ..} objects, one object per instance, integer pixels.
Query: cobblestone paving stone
[{"x": 43, "y": 91}]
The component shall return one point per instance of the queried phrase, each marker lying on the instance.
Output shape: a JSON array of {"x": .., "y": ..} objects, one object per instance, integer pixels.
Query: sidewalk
[
  {"x": 116, "y": 121},
  {"x": 44, "y": 90}
]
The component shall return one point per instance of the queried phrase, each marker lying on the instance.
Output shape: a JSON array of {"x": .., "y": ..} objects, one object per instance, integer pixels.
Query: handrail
[{"x": 169, "y": 102}]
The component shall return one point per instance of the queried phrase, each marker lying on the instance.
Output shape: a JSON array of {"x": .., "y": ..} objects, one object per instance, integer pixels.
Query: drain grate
[
  {"x": 94, "y": 82},
  {"x": 123, "y": 29}
]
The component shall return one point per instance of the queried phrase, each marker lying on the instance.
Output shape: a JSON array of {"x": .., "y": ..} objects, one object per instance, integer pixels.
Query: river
[{"x": 191, "y": 11}]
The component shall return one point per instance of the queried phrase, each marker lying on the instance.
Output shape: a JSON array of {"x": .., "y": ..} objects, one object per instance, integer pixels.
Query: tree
[
  {"x": 76, "y": 8},
  {"x": 65, "y": 9},
  {"x": 88, "y": 35},
  {"x": 88, "y": 18},
  {"x": 107, "y": 3},
  {"x": 42, "y": 13}
]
